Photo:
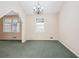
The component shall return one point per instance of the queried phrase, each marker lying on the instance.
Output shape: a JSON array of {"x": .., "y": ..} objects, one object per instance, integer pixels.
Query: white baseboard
[
  {"x": 23, "y": 41},
  {"x": 69, "y": 48},
  {"x": 42, "y": 39}
]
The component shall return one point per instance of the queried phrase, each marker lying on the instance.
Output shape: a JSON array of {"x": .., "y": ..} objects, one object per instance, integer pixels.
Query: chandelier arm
[{"x": 38, "y": 9}]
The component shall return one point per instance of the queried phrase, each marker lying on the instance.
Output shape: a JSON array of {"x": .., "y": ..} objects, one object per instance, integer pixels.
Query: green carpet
[{"x": 34, "y": 49}]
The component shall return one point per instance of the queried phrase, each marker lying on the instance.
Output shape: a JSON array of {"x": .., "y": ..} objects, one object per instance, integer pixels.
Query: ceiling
[{"x": 50, "y": 7}]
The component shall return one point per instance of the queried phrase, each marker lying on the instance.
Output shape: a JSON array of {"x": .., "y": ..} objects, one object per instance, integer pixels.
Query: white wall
[
  {"x": 69, "y": 25},
  {"x": 50, "y": 28}
]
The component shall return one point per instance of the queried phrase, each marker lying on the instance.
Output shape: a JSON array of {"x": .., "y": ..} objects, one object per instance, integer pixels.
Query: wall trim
[
  {"x": 42, "y": 39},
  {"x": 69, "y": 48},
  {"x": 23, "y": 41}
]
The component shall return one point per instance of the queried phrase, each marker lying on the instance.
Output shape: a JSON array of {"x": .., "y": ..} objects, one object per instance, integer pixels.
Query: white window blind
[{"x": 39, "y": 24}]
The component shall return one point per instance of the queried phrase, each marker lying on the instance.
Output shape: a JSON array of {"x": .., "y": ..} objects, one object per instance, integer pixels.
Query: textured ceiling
[{"x": 50, "y": 7}]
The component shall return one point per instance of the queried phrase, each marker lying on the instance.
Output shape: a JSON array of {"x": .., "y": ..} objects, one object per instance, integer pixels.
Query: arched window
[
  {"x": 10, "y": 26},
  {"x": 11, "y": 23}
]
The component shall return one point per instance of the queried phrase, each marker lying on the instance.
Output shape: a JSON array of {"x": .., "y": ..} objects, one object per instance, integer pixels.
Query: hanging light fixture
[{"x": 38, "y": 9}]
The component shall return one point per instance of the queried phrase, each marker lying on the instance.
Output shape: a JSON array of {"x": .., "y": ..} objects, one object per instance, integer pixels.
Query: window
[
  {"x": 39, "y": 24},
  {"x": 14, "y": 25},
  {"x": 7, "y": 25},
  {"x": 11, "y": 25}
]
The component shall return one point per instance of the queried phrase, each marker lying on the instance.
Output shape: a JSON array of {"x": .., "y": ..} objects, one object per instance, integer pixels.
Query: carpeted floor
[{"x": 34, "y": 49}]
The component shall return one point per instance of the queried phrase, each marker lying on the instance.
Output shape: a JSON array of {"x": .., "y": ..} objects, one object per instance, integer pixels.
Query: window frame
[
  {"x": 40, "y": 25},
  {"x": 12, "y": 19}
]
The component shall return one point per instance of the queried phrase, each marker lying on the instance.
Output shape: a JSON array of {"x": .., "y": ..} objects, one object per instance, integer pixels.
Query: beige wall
[
  {"x": 28, "y": 22},
  {"x": 50, "y": 28},
  {"x": 69, "y": 25}
]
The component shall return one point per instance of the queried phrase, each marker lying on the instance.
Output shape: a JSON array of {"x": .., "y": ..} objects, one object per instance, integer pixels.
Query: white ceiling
[{"x": 50, "y": 7}]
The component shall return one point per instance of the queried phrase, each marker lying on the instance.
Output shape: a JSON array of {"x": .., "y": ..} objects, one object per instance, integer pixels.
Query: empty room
[{"x": 39, "y": 29}]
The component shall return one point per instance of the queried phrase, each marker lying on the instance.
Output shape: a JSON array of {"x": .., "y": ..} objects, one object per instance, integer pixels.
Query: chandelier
[{"x": 38, "y": 9}]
